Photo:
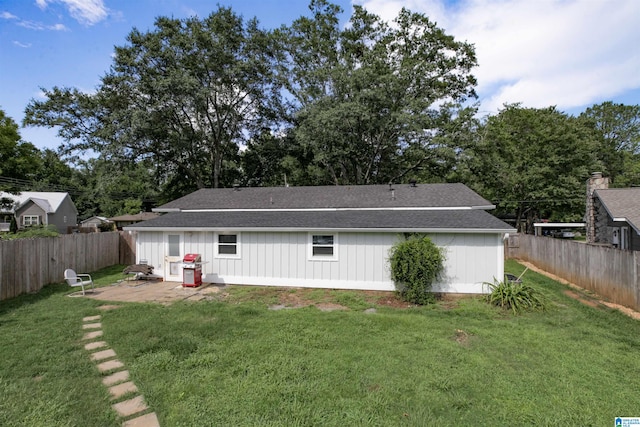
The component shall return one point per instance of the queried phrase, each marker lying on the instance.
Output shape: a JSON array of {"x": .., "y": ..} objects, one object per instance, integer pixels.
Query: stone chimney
[{"x": 596, "y": 182}]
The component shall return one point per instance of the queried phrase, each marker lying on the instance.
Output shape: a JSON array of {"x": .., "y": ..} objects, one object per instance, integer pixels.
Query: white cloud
[
  {"x": 39, "y": 26},
  {"x": 7, "y": 15},
  {"x": 19, "y": 44},
  {"x": 57, "y": 27},
  {"x": 567, "y": 53},
  {"x": 87, "y": 12}
]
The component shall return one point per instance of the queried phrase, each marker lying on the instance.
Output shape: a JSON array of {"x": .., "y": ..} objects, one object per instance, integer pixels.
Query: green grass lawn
[{"x": 235, "y": 362}]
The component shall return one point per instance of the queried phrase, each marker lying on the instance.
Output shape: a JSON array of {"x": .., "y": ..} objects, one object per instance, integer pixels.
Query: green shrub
[
  {"x": 13, "y": 226},
  {"x": 415, "y": 264},
  {"x": 516, "y": 297},
  {"x": 34, "y": 231},
  {"x": 106, "y": 226}
]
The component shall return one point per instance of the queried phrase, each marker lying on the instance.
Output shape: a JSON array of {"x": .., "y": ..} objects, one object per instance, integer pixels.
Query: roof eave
[{"x": 337, "y": 230}]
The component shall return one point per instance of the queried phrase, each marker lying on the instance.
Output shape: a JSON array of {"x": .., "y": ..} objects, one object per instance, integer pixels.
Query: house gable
[
  {"x": 53, "y": 208},
  {"x": 617, "y": 217}
]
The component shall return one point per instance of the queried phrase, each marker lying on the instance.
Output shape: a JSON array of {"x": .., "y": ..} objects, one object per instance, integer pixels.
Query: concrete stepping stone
[
  {"x": 104, "y": 354},
  {"x": 115, "y": 378},
  {"x": 92, "y": 335},
  {"x": 94, "y": 345},
  {"x": 122, "y": 389},
  {"x": 92, "y": 326},
  {"x": 148, "y": 420},
  {"x": 110, "y": 365},
  {"x": 90, "y": 318},
  {"x": 130, "y": 407}
]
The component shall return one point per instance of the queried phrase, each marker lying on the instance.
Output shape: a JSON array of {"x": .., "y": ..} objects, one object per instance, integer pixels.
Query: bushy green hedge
[
  {"x": 415, "y": 264},
  {"x": 30, "y": 232}
]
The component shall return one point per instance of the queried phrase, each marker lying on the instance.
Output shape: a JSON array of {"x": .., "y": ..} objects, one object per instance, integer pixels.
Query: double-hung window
[
  {"x": 323, "y": 247},
  {"x": 29, "y": 220},
  {"x": 227, "y": 245}
]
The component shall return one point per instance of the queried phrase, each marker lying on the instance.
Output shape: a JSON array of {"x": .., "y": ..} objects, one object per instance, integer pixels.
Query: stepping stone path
[{"x": 133, "y": 410}]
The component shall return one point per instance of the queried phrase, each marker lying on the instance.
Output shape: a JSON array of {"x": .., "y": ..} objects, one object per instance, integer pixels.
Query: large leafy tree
[
  {"x": 111, "y": 188},
  {"x": 618, "y": 130},
  {"x": 533, "y": 163},
  {"x": 372, "y": 100},
  {"x": 183, "y": 96},
  {"x": 19, "y": 160}
]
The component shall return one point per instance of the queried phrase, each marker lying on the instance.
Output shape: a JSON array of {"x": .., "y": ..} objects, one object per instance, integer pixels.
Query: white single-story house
[{"x": 335, "y": 237}]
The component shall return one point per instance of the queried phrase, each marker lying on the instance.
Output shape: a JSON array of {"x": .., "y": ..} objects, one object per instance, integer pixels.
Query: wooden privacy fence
[
  {"x": 609, "y": 272},
  {"x": 26, "y": 265}
]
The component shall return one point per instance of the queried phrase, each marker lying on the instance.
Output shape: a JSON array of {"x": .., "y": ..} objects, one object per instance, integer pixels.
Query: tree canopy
[
  {"x": 18, "y": 159},
  {"x": 533, "y": 163},
  {"x": 217, "y": 101},
  {"x": 372, "y": 100},
  {"x": 618, "y": 129},
  {"x": 184, "y": 96}
]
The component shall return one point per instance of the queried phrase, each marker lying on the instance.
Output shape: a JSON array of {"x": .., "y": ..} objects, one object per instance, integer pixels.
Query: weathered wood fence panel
[
  {"x": 26, "y": 265},
  {"x": 127, "y": 248},
  {"x": 609, "y": 272}
]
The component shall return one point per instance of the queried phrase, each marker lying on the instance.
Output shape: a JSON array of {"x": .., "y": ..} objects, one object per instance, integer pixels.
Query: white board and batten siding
[{"x": 360, "y": 259}]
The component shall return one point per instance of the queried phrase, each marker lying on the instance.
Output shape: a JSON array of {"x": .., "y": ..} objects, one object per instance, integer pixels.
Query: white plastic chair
[{"x": 74, "y": 279}]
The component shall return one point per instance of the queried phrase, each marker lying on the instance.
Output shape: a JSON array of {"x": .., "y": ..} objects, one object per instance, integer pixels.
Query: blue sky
[{"x": 567, "y": 53}]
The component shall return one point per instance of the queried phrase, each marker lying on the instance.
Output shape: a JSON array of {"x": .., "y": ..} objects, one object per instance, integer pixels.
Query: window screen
[
  {"x": 228, "y": 244},
  {"x": 322, "y": 245}
]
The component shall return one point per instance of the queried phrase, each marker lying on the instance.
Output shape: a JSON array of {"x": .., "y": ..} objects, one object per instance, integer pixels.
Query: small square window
[
  {"x": 323, "y": 246},
  {"x": 227, "y": 245}
]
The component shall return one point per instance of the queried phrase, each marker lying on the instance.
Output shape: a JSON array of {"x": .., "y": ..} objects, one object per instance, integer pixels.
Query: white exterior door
[{"x": 174, "y": 253}]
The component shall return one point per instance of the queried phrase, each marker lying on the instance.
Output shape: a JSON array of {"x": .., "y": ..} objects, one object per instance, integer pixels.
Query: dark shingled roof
[
  {"x": 622, "y": 203},
  {"x": 336, "y": 196},
  {"x": 471, "y": 219}
]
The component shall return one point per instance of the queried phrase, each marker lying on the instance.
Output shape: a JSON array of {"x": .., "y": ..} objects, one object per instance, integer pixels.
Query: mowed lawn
[{"x": 233, "y": 361}]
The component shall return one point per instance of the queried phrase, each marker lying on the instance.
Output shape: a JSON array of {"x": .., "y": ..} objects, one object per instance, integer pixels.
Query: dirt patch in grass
[
  {"x": 582, "y": 299},
  {"x": 108, "y": 307},
  {"x": 579, "y": 295},
  {"x": 462, "y": 337}
]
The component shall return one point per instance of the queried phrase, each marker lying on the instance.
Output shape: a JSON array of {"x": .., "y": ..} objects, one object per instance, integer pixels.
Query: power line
[{"x": 29, "y": 185}]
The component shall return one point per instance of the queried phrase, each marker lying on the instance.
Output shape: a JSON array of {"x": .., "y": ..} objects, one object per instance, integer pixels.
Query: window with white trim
[
  {"x": 227, "y": 245},
  {"x": 174, "y": 245},
  {"x": 323, "y": 247},
  {"x": 29, "y": 220}
]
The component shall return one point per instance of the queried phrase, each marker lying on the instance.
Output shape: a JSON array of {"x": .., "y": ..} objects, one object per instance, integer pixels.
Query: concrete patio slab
[
  {"x": 91, "y": 318},
  {"x": 148, "y": 420},
  {"x": 122, "y": 389},
  {"x": 115, "y": 378},
  {"x": 153, "y": 291},
  {"x": 129, "y": 407},
  {"x": 94, "y": 345},
  {"x": 110, "y": 365},
  {"x": 104, "y": 354},
  {"x": 92, "y": 335}
]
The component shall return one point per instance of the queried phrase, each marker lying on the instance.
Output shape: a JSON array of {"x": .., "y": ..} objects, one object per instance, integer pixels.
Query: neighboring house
[
  {"x": 42, "y": 208},
  {"x": 613, "y": 214},
  {"x": 124, "y": 220},
  {"x": 324, "y": 237},
  {"x": 94, "y": 222}
]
